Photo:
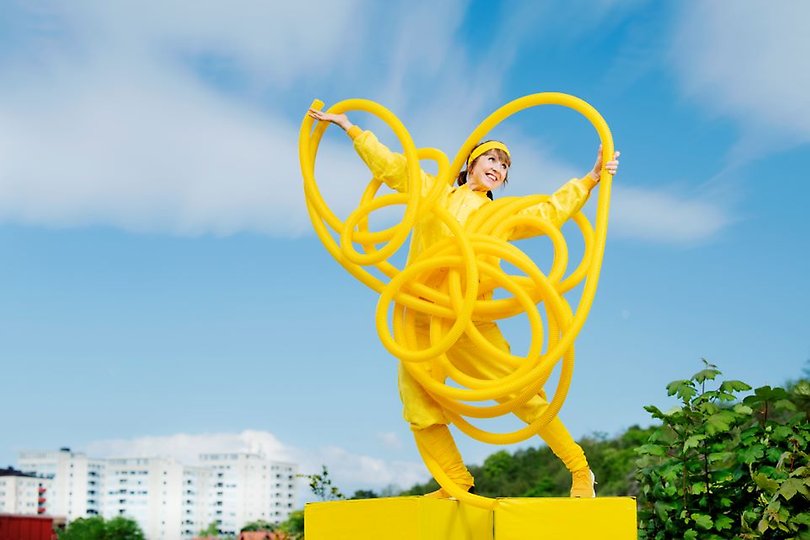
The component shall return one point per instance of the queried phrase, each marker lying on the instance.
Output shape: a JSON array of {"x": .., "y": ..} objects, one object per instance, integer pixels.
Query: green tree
[
  {"x": 364, "y": 494},
  {"x": 799, "y": 391},
  {"x": 294, "y": 525},
  {"x": 260, "y": 525},
  {"x": 95, "y": 528},
  {"x": 321, "y": 485},
  {"x": 719, "y": 467},
  {"x": 84, "y": 529},
  {"x": 212, "y": 530},
  {"x": 421, "y": 489},
  {"x": 122, "y": 528}
]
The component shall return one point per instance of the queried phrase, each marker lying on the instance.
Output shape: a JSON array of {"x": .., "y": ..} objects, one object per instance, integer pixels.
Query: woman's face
[{"x": 487, "y": 173}]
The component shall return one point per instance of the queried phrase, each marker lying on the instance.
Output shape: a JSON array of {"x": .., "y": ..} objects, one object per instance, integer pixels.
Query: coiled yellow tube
[{"x": 469, "y": 262}]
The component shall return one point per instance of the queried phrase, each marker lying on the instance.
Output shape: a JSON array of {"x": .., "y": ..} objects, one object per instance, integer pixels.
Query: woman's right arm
[{"x": 388, "y": 166}]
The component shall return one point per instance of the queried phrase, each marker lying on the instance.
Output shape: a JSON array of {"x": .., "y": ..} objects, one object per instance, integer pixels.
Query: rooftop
[{"x": 11, "y": 471}]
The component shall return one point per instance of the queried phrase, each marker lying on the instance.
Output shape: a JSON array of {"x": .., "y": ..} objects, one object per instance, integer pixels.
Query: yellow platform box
[
  {"x": 603, "y": 518},
  {"x": 396, "y": 518},
  {"x": 420, "y": 518}
]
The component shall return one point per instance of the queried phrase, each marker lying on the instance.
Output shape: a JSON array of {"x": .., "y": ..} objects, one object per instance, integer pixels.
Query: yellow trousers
[{"x": 424, "y": 414}]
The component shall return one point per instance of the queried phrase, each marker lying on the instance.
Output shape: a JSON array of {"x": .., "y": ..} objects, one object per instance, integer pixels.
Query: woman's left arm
[{"x": 566, "y": 201}]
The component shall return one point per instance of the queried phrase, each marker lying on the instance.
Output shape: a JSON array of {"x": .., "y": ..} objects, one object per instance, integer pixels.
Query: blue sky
[{"x": 161, "y": 291}]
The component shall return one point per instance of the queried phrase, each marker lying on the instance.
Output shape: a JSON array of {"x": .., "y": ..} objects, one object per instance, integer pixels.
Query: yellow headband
[{"x": 486, "y": 147}]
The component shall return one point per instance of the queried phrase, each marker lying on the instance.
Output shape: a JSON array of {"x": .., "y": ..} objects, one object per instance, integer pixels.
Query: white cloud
[
  {"x": 110, "y": 125},
  {"x": 186, "y": 448},
  {"x": 276, "y": 41},
  {"x": 390, "y": 439},
  {"x": 355, "y": 471},
  {"x": 664, "y": 216},
  {"x": 748, "y": 61},
  {"x": 120, "y": 162},
  {"x": 349, "y": 471},
  {"x": 165, "y": 155}
]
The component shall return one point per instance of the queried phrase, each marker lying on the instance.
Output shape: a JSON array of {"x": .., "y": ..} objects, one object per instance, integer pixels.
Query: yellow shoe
[{"x": 582, "y": 482}]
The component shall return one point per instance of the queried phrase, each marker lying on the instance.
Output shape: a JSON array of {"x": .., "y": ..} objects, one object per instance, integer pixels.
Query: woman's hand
[
  {"x": 338, "y": 119},
  {"x": 611, "y": 166}
]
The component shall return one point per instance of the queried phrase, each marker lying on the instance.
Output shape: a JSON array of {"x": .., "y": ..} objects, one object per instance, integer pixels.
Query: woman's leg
[
  {"x": 466, "y": 356},
  {"x": 555, "y": 434},
  {"x": 429, "y": 425}
]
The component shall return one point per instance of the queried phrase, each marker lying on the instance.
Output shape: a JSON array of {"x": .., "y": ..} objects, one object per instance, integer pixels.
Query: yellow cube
[
  {"x": 608, "y": 518},
  {"x": 421, "y": 518},
  {"x": 396, "y": 518}
]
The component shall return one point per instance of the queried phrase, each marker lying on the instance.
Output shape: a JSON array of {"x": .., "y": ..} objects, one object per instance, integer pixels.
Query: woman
[{"x": 487, "y": 169}]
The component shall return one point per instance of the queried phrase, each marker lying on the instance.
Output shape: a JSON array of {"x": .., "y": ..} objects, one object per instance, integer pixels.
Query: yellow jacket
[{"x": 460, "y": 201}]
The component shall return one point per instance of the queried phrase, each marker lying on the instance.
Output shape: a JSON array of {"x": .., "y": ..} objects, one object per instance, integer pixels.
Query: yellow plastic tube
[{"x": 470, "y": 263}]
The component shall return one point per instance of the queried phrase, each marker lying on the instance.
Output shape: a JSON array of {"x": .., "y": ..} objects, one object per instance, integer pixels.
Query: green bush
[
  {"x": 720, "y": 467},
  {"x": 96, "y": 528},
  {"x": 293, "y": 527}
]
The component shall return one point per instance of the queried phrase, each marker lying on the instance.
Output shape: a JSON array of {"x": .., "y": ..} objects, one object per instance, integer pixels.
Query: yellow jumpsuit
[{"x": 421, "y": 411}]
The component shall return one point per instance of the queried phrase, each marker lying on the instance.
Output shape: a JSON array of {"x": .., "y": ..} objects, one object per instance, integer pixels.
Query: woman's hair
[{"x": 461, "y": 179}]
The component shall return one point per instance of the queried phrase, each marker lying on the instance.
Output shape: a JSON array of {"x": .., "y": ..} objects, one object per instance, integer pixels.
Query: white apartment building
[
  {"x": 196, "y": 493},
  {"x": 245, "y": 487},
  {"x": 22, "y": 493},
  {"x": 76, "y": 481},
  {"x": 169, "y": 500},
  {"x": 148, "y": 490}
]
